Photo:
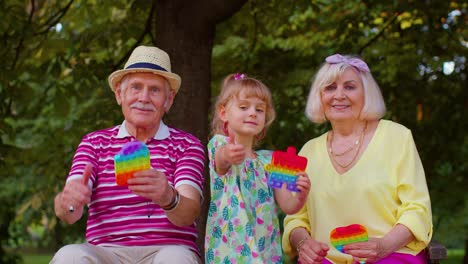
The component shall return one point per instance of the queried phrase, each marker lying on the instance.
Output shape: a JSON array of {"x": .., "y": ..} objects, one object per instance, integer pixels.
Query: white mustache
[{"x": 148, "y": 107}]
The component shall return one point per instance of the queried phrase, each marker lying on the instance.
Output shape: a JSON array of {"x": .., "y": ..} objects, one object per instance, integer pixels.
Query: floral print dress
[{"x": 242, "y": 224}]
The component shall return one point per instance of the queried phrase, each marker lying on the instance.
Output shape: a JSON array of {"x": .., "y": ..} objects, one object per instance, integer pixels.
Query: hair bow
[
  {"x": 355, "y": 62},
  {"x": 239, "y": 76}
]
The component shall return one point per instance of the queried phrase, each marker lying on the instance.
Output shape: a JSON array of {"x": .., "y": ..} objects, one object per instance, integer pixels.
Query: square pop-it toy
[{"x": 283, "y": 168}]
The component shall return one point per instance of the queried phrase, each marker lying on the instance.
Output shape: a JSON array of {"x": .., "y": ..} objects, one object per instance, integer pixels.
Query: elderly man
[{"x": 152, "y": 219}]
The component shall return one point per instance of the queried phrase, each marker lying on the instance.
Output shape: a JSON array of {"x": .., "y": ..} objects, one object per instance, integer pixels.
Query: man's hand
[
  {"x": 76, "y": 194},
  {"x": 152, "y": 184}
]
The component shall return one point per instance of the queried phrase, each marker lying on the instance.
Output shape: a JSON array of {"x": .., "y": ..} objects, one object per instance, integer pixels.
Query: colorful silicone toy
[
  {"x": 341, "y": 236},
  {"x": 133, "y": 157},
  {"x": 283, "y": 169}
]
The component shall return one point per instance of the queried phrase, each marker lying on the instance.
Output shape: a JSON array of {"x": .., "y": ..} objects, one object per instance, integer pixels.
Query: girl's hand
[
  {"x": 303, "y": 184},
  {"x": 233, "y": 153},
  {"x": 372, "y": 250},
  {"x": 312, "y": 251}
]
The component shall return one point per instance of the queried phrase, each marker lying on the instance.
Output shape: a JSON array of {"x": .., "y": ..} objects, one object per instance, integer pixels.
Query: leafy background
[{"x": 56, "y": 56}]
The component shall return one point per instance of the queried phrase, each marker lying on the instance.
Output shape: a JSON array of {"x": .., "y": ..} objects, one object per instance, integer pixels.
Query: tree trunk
[{"x": 185, "y": 30}]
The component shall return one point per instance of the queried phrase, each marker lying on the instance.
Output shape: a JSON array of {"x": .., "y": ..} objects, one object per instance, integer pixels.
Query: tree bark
[{"x": 185, "y": 30}]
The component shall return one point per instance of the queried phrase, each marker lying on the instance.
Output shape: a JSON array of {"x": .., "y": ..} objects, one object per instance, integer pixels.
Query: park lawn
[
  {"x": 454, "y": 256},
  {"x": 37, "y": 258}
]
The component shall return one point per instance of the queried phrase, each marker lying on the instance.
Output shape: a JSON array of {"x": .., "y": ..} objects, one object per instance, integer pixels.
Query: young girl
[{"x": 242, "y": 224}]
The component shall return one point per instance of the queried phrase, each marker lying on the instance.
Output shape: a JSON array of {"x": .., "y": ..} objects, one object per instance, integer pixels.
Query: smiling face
[
  {"x": 145, "y": 98},
  {"x": 343, "y": 100},
  {"x": 245, "y": 115}
]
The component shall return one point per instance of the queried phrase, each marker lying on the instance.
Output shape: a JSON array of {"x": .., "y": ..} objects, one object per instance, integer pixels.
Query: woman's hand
[
  {"x": 378, "y": 248},
  {"x": 312, "y": 251},
  {"x": 372, "y": 250}
]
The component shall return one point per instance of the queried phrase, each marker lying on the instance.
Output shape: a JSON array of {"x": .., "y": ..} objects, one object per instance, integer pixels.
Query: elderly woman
[{"x": 365, "y": 171}]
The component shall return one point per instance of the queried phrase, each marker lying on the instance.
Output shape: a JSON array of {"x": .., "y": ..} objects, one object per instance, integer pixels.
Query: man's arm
[
  {"x": 76, "y": 194},
  {"x": 187, "y": 209},
  {"x": 63, "y": 213}
]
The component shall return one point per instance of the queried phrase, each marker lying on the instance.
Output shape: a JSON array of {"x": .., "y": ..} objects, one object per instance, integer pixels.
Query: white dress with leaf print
[{"x": 242, "y": 224}]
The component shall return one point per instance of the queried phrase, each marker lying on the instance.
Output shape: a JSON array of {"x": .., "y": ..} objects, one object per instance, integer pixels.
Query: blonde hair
[
  {"x": 251, "y": 87},
  {"x": 374, "y": 105}
]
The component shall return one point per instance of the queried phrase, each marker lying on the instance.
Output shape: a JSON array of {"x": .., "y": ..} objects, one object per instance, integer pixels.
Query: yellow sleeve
[
  {"x": 299, "y": 219},
  {"x": 414, "y": 211}
]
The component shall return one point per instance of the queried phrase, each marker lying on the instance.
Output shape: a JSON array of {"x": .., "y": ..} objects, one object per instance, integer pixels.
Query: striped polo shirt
[{"x": 116, "y": 216}]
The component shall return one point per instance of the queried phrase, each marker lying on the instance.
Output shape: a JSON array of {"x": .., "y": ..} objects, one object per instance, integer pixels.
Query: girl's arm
[
  {"x": 227, "y": 155},
  {"x": 289, "y": 203},
  {"x": 222, "y": 165}
]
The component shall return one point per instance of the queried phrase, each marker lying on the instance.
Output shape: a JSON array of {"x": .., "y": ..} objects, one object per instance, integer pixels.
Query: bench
[{"x": 435, "y": 252}]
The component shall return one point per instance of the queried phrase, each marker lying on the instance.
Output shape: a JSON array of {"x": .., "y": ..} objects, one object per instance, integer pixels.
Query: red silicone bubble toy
[
  {"x": 283, "y": 169},
  {"x": 344, "y": 235},
  {"x": 133, "y": 157}
]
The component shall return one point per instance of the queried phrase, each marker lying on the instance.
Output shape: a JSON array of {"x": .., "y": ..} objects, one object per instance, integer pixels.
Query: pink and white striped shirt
[{"x": 116, "y": 216}]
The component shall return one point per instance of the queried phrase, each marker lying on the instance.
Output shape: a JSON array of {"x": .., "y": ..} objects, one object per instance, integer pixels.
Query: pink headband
[{"x": 355, "y": 62}]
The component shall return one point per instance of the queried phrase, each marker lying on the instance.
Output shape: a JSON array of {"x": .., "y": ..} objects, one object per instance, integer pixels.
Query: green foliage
[
  {"x": 53, "y": 90},
  {"x": 56, "y": 56}
]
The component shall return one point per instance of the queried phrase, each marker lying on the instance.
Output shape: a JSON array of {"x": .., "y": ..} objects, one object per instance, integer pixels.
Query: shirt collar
[{"x": 163, "y": 131}]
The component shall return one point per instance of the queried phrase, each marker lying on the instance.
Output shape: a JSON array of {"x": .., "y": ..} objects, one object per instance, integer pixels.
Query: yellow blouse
[{"x": 385, "y": 187}]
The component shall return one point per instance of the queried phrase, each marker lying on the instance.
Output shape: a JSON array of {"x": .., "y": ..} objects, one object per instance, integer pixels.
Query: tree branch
[
  {"x": 221, "y": 10},
  {"x": 253, "y": 44},
  {"x": 152, "y": 21},
  {"x": 395, "y": 16},
  {"x": 146, "y": 30},
  {"x": 20, "y": 43},
  {"x": 54, "y": 19}
]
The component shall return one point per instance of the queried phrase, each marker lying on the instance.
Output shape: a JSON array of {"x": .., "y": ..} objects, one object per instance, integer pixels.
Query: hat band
[{"x": 146, "y": 65}]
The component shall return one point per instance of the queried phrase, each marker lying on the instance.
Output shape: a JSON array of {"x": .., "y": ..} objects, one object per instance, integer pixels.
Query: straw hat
[{"x": 147, "y": 59}]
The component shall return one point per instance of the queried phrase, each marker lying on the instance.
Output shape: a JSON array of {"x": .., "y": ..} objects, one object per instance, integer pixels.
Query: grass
[
  {"x": 454, "y": 256},
  {"x": 37, "y": 258}
]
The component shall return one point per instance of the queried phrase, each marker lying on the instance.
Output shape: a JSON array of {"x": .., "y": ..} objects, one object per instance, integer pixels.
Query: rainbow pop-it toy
[
  {"x": 283, "y": 169},
  {"x": 341, "y": 236},
  {"x": 133, "y": 157}
]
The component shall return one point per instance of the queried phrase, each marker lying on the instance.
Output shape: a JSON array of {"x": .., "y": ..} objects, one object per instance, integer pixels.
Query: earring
[
  {"x": 225, "y": 128},
  {"x": 261, "y": 135}
]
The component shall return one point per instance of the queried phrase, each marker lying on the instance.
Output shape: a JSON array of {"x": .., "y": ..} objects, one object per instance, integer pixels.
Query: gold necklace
[
  {"x": 346, "y": 151},
  {"x": 358, "y": 143}
]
